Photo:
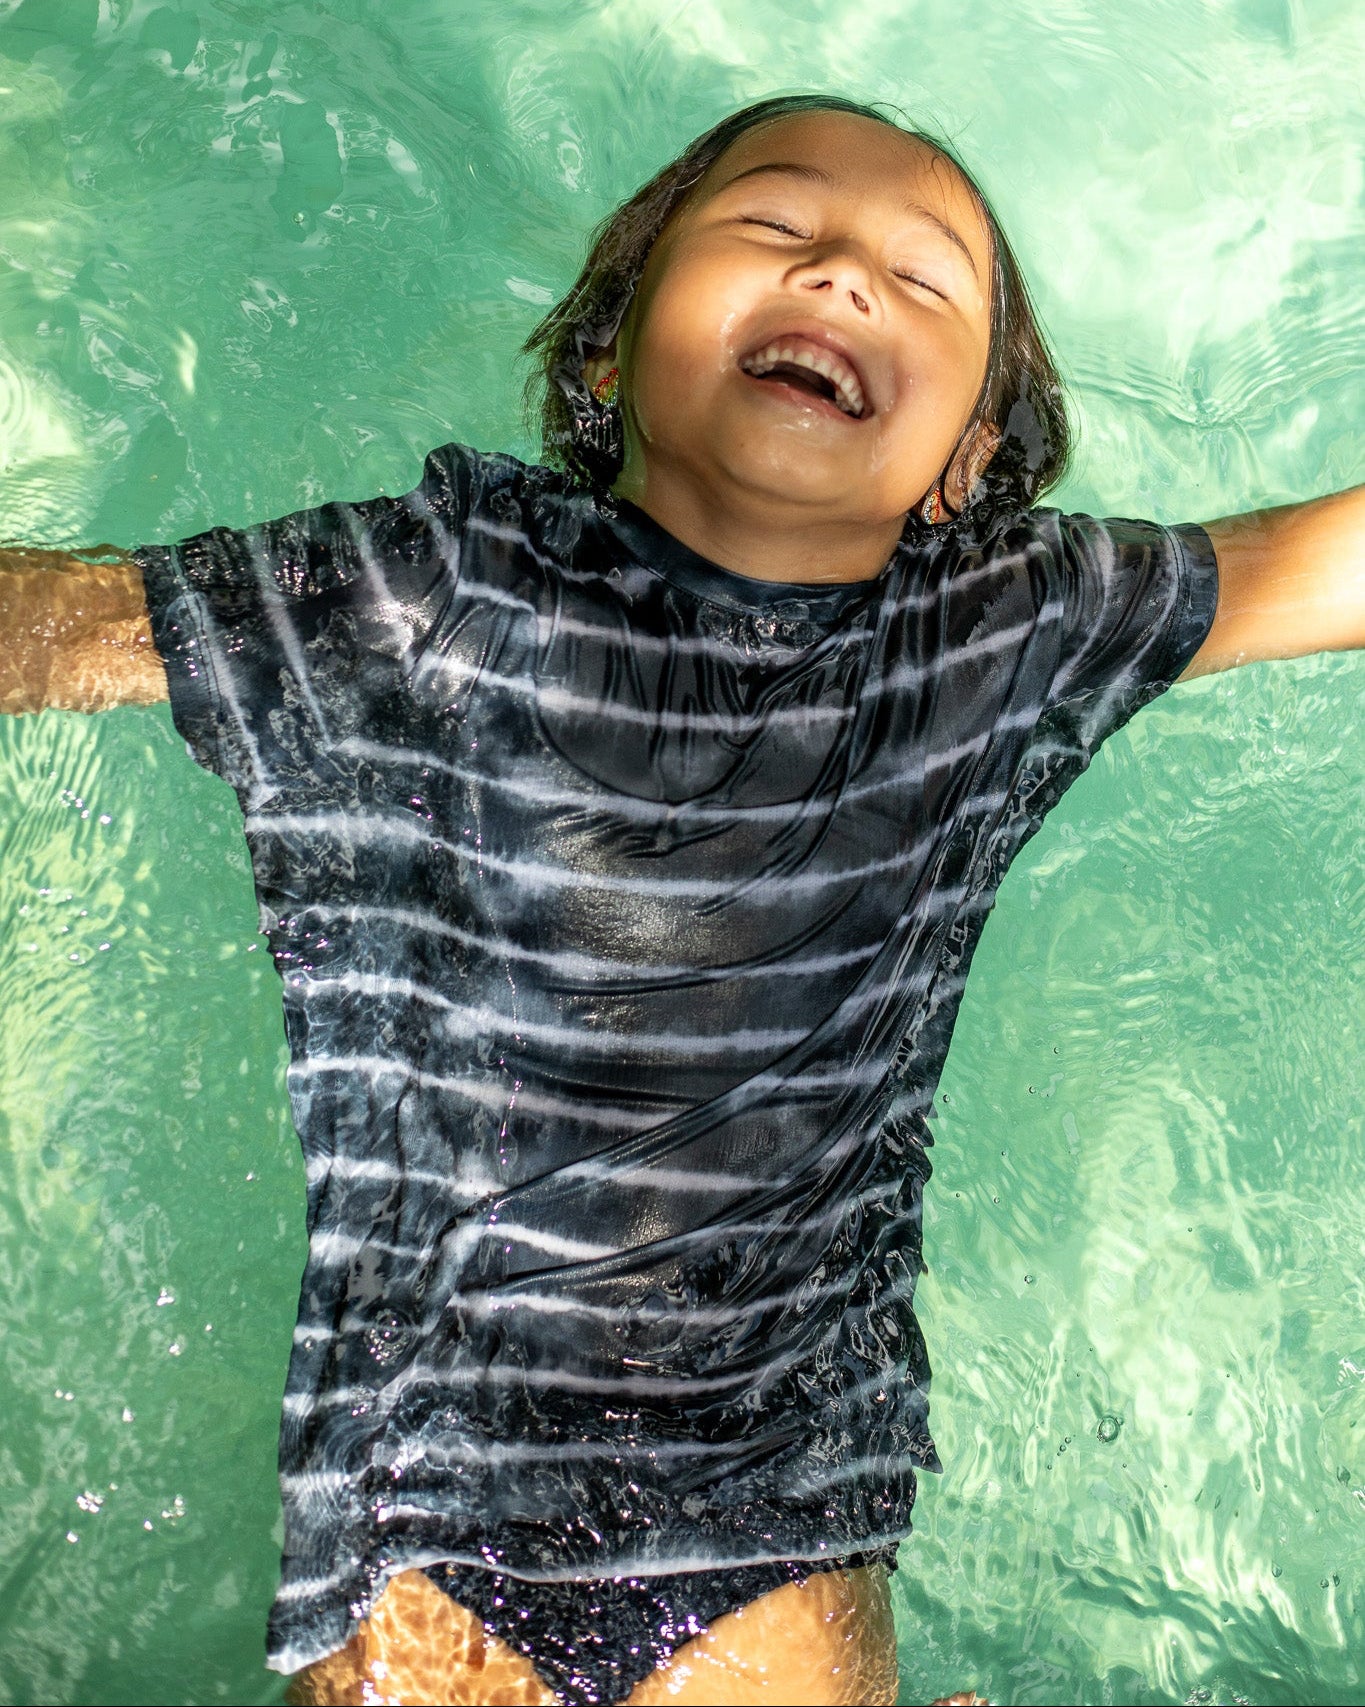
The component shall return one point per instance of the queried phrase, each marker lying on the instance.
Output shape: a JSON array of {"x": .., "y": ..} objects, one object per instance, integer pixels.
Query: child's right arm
[{"x": 74, "y": 632}]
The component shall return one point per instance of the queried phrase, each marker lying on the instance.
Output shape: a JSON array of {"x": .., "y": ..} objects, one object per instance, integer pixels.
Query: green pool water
[{"x": 257, "y": 254}]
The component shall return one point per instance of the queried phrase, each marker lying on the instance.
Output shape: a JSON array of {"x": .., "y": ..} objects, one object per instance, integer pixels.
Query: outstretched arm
[
  {"x": 1290, "y": 581},
  {"x": 74, "y": 632}
]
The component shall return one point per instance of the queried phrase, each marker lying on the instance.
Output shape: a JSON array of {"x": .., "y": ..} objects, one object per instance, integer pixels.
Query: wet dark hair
[{"x": 1021, "y": 393}]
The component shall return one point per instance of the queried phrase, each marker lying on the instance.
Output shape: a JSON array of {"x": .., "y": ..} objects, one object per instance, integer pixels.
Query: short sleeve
[
  {"x": 1134, "y": 603},
  {"x": 282, "y": 639}
]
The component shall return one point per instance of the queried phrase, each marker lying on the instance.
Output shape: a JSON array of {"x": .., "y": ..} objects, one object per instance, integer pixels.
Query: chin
[{"x": 794, "y": 468}]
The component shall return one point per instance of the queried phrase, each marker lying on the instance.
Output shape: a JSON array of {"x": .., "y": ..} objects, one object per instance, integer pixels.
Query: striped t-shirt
[{"x": 623, "y": 906}]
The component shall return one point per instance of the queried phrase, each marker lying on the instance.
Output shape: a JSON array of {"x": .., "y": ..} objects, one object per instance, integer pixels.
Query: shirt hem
[{"x": 342, "y": 1609}]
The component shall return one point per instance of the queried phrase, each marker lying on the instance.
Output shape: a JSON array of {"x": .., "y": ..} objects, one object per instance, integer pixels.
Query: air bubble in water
[{"x": 1109, "y": 1427}]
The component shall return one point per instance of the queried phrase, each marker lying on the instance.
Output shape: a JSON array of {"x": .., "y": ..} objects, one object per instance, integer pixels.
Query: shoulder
[
  {"x": 491, "y": 480},
  {"x": 1079, "y": 558},
  {"x": 498, "y": 493},
  {"x": 999, "y": 568},
  {"x": 512, "y": 528}
]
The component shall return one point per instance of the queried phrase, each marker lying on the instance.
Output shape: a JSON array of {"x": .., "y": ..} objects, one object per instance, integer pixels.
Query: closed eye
[
  {"x": 776, "y": 225},
  {"x": 915, "y": 279},
  {"x": 792, "y": 231}
]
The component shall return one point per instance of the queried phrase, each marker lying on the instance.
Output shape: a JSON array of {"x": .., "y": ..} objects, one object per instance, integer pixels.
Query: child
[{"x": 623, "y": 834}]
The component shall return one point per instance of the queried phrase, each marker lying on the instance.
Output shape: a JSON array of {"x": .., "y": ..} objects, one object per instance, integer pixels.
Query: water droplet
[
  {"x": 1277, "y": 1570},
  {"x": 1109, "y": 1427},
  {"x": 387, "y": 1337},
  {"x": 1028, "y": 1280},
  {"x": 1343, "y": 1474}
]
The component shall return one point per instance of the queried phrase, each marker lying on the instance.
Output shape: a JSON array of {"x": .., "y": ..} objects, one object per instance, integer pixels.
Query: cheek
[
  {"x": 664, "y": 389},
  {"x": 683, "y": 339},
  {"x": 948, "y": 355},
  {"x": 674, "y": 375},
  {"x": 943, "y": 376}
]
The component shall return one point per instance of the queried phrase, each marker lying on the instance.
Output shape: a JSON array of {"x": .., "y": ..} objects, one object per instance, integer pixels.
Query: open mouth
[{"x": 811, "y": 368}]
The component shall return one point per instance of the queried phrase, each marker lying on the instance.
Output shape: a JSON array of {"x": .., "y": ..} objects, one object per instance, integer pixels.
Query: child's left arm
[{"x": 1290, "y": 581}]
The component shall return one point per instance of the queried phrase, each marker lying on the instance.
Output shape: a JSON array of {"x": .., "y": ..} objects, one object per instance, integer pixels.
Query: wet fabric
[
  {"x": 623, "y": 907},
  {"x": 592, "y": 1642}
]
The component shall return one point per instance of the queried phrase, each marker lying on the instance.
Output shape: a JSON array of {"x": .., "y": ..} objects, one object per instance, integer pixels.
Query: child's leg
[
  {"x": 419, "y": 1646},
  {"x": 827, "y": 1641}
]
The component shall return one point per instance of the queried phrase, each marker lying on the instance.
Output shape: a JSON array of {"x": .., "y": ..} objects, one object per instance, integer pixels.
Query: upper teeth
[{"x": 848, "y": 394}]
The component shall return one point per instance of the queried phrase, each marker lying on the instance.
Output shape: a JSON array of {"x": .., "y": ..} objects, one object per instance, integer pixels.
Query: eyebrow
[{"x": 815, "y": 175}]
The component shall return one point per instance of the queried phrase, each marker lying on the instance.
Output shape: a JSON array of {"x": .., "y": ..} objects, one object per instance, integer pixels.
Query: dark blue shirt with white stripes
[{"x": 623, "y": 906}]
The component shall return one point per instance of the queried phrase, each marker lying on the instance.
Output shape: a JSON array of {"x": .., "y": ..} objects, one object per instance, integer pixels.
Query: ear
[
  {"x": 599, "y": 365},
  {"x": 969, "y": 464}
]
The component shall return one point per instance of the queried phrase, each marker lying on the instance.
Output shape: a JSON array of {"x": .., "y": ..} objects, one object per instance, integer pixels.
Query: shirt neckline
[{"x": 660, "y": 551}]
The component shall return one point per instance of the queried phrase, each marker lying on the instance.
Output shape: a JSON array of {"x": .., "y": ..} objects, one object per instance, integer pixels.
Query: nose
[{"x": 840, "y": 272}]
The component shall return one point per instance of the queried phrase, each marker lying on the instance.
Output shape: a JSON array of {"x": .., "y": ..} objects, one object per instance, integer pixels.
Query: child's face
[{"x": 874, "y": 250}]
